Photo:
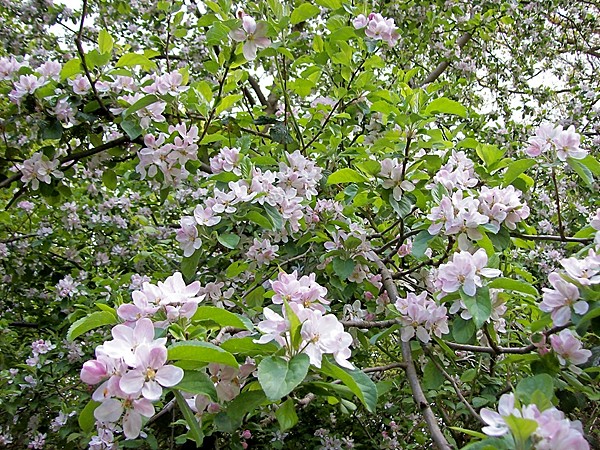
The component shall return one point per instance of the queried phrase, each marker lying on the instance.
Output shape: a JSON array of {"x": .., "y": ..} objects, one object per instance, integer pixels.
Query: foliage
[{"x": 313, "y": 224}]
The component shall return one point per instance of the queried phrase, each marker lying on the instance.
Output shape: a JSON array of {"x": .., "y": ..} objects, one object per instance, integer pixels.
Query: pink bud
[{"x": 93, "y": 372}]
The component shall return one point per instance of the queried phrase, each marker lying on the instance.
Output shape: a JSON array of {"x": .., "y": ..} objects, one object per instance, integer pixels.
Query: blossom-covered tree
[{"x": 318, "y": 224}]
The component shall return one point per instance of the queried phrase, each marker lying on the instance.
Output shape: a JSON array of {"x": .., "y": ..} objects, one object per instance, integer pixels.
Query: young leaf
[
  {"x": 358, "y": 382},
  {"x": 278, "y": 376},
  {"x": 479, "y": 305},
  {"x": 190, "y": 418},
  {"x": 286, "y": 415},
  {"x": 91, "y": 322},
  {"x": 201, "y": 351}
]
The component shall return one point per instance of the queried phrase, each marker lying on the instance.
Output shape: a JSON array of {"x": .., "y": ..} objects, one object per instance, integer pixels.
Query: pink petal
[
  {"x": 249, "y": 24},
  {"x": 132, "y": 424},
  {"x": 144, "y": 407},
  {"x": 144, "y": 331},
  {"x": 238, "y": 35},
  {"x": 157, "y": 357},
  {"x": 249, "y": 50},
  {"x": 169, "y": 375},
  {"x": 109, "y": 411},
  {"x": 132, "y": 382},
  {"x": 151, "y": 390}
]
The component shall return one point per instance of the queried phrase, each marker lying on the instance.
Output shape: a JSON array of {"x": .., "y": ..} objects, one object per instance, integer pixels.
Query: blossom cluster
[
  {"x": 393, "y": 174},
  {"x": 169, "y": 157},
  {"x": 421, "y": 316},
  {"x": 39, "y": 168},
  {"x": 465, "y": 272},
  {"x": 356, "y": 245},
  {"x": 553, "y": 431},
  {"x": 378, "y": 28},
  {"x": 564, "y": 297},
  {"x": 132, "y": 366},
  {"x": 567, "y": 348},
  {"x": 566, "y": 143},
  {"x": 39, "y": 347},
  {"x": 461, "y": 215},
  {"x": 321, "y": 333},
  {"x": 284, "y": 190}
]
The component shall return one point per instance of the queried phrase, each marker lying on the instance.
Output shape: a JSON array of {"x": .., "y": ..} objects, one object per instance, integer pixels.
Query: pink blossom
[
  {"x": 253, "y": 36},
  {"x": 150, "y": 373},
  {"x": 568, "y": 348},
  {"x": 559, "y": 301},
  {"x": 187, "y": 236},
  {"x": 111, "y": 410},
  {"x": 465, "y": 271}
]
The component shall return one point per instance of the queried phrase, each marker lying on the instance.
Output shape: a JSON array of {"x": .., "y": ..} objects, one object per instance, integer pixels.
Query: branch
[
  {"x": 547, "y": 237},
  {"x": 411, "y": 373},
  {"x": 504, "y": 350},
  {"x": 259, "y": 93},
  {"x": 440, "y": 69},
  {"x": 370, "y": 324}
]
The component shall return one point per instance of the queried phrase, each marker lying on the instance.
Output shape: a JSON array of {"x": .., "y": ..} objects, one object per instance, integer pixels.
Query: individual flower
[
  {"x": 111, "y": 410},
  {"x": 150, "y": 374},
  {"x": 560, "y": 300},
  {"x": 568, "y": 348},
  {"x": 253, "y": 35}
]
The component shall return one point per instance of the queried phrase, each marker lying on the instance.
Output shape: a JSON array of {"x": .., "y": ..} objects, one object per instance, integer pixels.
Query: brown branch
[
  {"x": 441, "y": 67},
  {"x": 411, "y": 373},
  {"x": 504, "y": 350},
  {"x": 259, "y": 93},
  {"x": 370, "y": 324},
  {"x": 546, "y": 237},
  {"x": 561, "y": 229},
  {"x": 396, "y": 365}
]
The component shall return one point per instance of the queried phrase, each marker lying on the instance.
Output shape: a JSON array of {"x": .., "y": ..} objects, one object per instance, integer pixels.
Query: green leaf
[
  {"x": 195, "y": 430},
  {"x": 331, "y": 4},
  {"x": 71, "y": 67},
  {"x": 345, "y": 176},
  {"x": 219, "y": 315},
  {"x": 274, "y": 216},
  {"x": 141, "y": 103},
  {"x": 247, "y": 346},
  {"x": 286, "y": 415},
  {"x": 304, "y": 12},
  {"x": 132, "y": 128},
  {"x": 479, "y": 305},
  {"x": 369, "y": 166},
  {"x": 295, "y": 325},
  {"x": 86, "y": 418},
  {"x": 584, "y": 173},
  {"x": 196, "y": 382},
  {"x": 134, "y": 59},
  {"x": 528, "y": 386},
  {"x": 357, "y": 381},
  {"x": 109, "y": 178},
  {"x": 228, "y": 240},
  {"x": 520, "y": 428},
  {"x": 201, "y": 351},
  {"x": 91, "y": 322},
  {"x": 513, "y": 285},
  {"x": 189, "y": 264},
  {"x": 592, "y": 164},
  {"x": 517, "y": 168},
  {"x": 446, "y": 106},
  {"x": 105, "y": 42},
  {"x": 278, "y": 376},
  {"x": 463, "y": 330},
  {"x": 279, "y": 133},
  {"x": 343, "y": 268},
  {"x": 420, "y": 243},
  {"x": 230, "y": 420},
  {"x": 227, "y": 102},
  {"x": 489, "y": 154},
  {"x": 53, "y": 130},
  {"x": 259, "y": 219},
  {"x": 432, "y": 377}
]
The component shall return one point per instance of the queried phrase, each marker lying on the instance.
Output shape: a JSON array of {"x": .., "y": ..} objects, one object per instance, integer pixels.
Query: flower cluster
[
  {"x": 39, "y": 168},
  {"x": 564, "y": 297},
  {"x": 553, "y": 431},
  {"x": 566, "y": 143},
  {"x": 39, "y": 347},
  {"x": 421, "y": 316},
  {"x": 132, "y": 366},
  {"x": 169, "y": 157},
  {"x": 172, "y": 298},
  {"x": 457, "y": 173},
  {"x": 464, "y": 272},
  {"x": 502, "y": 206},
  {"x": 378, "y": 28},
  {"x": 358, "y": 248},
  {"x": 321, "y": 333},
  {"x": 262, "y": 251},
  {"x": 284, "y": 190}
]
